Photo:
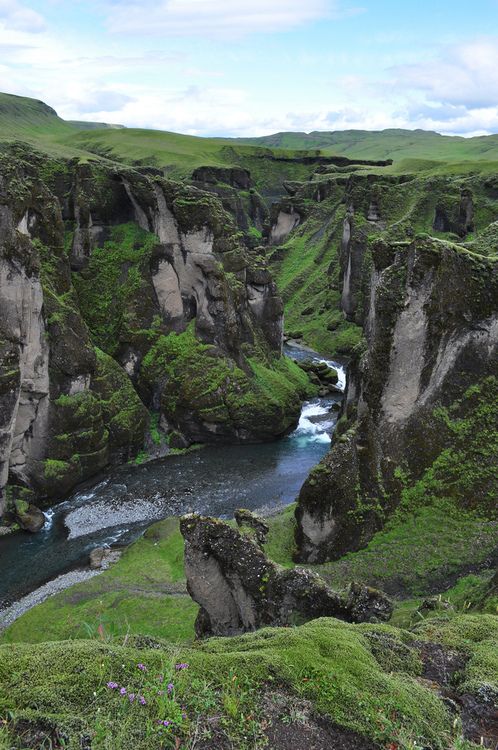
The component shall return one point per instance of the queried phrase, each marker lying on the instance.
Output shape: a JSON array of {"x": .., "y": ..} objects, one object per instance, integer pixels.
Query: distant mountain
[{"x": 393, "y": 143}]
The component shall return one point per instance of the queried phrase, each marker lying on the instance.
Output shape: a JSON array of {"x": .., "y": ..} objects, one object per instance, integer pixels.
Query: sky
[{"x": 255, "y": 67}]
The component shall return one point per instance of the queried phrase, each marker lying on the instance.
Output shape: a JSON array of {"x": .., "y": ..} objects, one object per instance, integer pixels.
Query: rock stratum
[{"x": 125, "y": 295}]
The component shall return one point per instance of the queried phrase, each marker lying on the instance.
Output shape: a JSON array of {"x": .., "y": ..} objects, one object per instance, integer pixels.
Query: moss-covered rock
[
  {"x": 208, "y": 397},
  {"x": 421, "y": 403},
  {"x": 124, "y": 415}
]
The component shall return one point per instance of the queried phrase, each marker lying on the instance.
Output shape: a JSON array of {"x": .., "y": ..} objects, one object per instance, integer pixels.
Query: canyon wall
[
  {"x": 409, "y": 265},
  {"x": 124, "y": 295}
]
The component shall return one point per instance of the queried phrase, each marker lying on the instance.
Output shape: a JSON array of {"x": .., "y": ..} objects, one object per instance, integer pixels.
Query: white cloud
[
  {"x": 217, "y": 17},
  {"x": 464, "y": 74},
  {"x": 14, "y": 15}
]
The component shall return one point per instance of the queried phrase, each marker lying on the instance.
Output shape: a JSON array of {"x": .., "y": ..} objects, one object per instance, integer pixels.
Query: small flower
[
  {"x": 170, "y": 687},
  {"x": 184, "y": 716},
  {"x": 142, "y": 667},
  {"x": 123, "y": 691},
  {"x": 131, "y": 697},
  {"x": 178, "y": 667},
  {"x": 112, "y": 685},
  {"x": 160, "y": 692},
  {"x": 166, "y": 723},
  {"x": 142, "y": 701}
]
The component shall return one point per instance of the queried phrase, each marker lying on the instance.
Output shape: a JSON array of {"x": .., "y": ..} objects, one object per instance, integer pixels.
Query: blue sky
[{"x": 252, "y": 67}]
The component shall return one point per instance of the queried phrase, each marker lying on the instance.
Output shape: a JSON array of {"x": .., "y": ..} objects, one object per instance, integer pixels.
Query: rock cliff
[
  {"x": 124, "y": 294},
  {"x": 419, "y": 396},
  {"x": 239, "y": 589}
]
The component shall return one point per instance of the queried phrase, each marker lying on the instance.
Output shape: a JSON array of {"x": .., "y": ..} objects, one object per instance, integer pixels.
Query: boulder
[
  {"x": 239, "y": 589},
  {"x": 103, "y": 557},
  {"x": 28, "y": 516}
]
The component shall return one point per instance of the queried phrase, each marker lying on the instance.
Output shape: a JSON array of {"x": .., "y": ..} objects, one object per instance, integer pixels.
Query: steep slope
[{"x": 333, "y": 217}]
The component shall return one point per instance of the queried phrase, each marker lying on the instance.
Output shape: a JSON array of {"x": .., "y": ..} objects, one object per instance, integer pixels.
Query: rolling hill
[{"x": 416, "y": 151}]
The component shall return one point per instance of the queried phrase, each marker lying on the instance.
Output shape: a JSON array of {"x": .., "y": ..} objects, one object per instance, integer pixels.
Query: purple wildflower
[
  {"x": 142, "y": 667},
  {"x": 112, "y": 685},
  {"x": 123, "y": 691},
  {"x": 170, "y": 688},
  {"x": 178, "y": 667},
  {"x": 184, "y": 716},
  {"x": 166, "y": 723},
  {"x": 142, "y": 701},
  {"x": 131, "y": 697}
]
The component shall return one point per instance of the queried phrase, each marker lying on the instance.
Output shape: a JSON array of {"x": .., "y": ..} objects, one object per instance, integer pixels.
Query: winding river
[{"x": 214, "y": 480}]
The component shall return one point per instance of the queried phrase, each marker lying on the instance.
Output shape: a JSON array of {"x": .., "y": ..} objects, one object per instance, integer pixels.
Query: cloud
[
  {"x": 464, "y": 74},
  {"x": 14, "y": 15},
  {"x": 218, "y": 17},
  {"x": 101, "y": 101}
]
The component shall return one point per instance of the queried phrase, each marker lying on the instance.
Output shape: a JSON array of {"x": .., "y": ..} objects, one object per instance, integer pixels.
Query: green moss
[
  {"x": 326, "y": 661},
  {"x": 124, "y": 415},
  {"x": 280, "y": 545},
  {"x": 465, "y": 473},
  {"x": 476, "y": 635},
  {"x": 265, "y": 397},
  {"x": 109, "y": 287},
  {"x": 54, "y": 469}
]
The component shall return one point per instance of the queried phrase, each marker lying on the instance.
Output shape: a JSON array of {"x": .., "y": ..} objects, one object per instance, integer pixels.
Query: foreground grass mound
[{"x": 80, "y": 692}]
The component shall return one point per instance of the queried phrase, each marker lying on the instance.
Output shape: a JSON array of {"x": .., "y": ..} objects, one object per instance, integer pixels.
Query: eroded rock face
[
  {"x": 53, "y": 430},
  {"x": 98, "y": 266},
  {"x": 239, "y": 589},
  {"x": 431, "y": 330}
]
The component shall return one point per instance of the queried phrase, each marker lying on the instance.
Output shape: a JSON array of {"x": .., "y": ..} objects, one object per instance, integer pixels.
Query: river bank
[{"x": 116, "y": 510}]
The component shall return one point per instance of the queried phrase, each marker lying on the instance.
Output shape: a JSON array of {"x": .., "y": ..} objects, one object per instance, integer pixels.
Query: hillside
[
  {"x": 178, "y": 155},
  {"x": 386, "y": 144},
  {"x": 271, "y": 159}
]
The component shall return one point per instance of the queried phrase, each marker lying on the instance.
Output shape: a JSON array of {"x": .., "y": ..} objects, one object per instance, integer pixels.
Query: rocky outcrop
[
  {"x": 53, "y": 432},
  {"x": 235, "y": 189},
  {"x": 122, "y": 292},
  {"x": 431, "y": 327},
  {"x": 239, "y": 589}
]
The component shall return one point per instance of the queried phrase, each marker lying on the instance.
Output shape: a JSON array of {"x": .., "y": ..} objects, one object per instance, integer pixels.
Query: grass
[
  {"x": 143, "y": 593},
  {"x": 422, "y": 553},
  {"x": 327, "y": 662}
]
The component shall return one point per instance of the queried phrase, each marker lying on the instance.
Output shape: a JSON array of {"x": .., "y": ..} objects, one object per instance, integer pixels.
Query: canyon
[{"x": 299, "y": 338}]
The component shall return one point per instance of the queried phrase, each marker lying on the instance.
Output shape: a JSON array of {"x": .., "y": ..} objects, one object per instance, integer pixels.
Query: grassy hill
[
  {"x": 34, "y": 122},
  {"x": 415, "y": 151},
  {"x": 394, "y": 144}
]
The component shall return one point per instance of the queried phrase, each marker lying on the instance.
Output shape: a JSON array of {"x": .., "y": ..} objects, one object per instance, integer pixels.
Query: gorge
[{"x": 302, "y": 334}]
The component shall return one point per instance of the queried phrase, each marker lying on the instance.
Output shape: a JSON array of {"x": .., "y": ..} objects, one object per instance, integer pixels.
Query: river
[{"x": 214, "y": 480}]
